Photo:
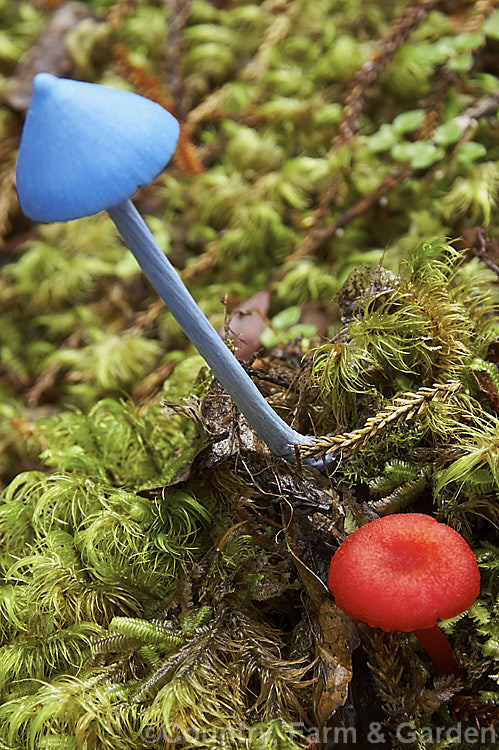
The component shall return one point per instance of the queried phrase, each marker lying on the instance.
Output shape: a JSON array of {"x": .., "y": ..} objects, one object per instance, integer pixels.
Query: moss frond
[
  {"x": 474, "y": 195},
  {"x": 397, "y": 336},
  {"x": 426, "y": 327},
  {"x": 307, "y": 149},
  {"x": 306, "y": 281},
  {"x": 115, "y": 443},
  {"x": 56, "y": 584},
  {"x": 399, "y": 485},
  {"x": 40, "y": 657},
  {"x": 58, "y": 268},
  {"x": 72, "y": 707},
  {"x": 405, "y": 407},
  {"x": 94, "y": 547},
  {"x": 342, "y": 371},
  {"x": 114, "y": 360},
  {"x": 480, "y": 446},
  {"x": 485, "y": 610},
  {"x": 146, "y": 632},
  {"x": 145, "y": 555},
  {"x": 192, "y": 621},
  {"x": 198, "y": 694},
  {"x": 219, "y": 666}
]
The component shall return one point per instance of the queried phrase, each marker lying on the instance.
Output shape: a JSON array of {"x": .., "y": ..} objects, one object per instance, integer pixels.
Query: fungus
[
  {"x": 404, "y": 572},
  {"x": 87, "y": 148}
]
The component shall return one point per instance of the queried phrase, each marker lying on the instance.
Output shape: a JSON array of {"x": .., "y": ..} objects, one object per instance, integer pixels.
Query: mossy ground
[{"x": 163, "y": 575}]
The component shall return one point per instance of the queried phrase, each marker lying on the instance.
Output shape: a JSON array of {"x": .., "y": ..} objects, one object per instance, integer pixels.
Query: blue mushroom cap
[{"x": 85, "y": 148}]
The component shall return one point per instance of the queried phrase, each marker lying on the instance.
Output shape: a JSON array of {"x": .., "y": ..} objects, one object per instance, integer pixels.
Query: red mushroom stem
[{"x": 439, "y": 650}]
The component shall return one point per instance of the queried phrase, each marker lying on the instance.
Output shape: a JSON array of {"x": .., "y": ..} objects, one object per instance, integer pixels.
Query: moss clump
[
  {"x": 162, "y": 572},
  {"x": 399, "y": 373}
]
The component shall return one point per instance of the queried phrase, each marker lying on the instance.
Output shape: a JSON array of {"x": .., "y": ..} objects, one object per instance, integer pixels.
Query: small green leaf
[
  {"x": 328, "y": 115},
  {"x": 402, "y": 151},
  {"x": 465, "y": 42},
  {"x": 425, "y": 154},
  {"x": 450, "y": 46},
  {"x": 449, "y": 132},
  {"x": 491, "y": 25},
  {"x": 407, "y": 122},
  {"x": 268, "y": 338},
  {"x": 287, "y": 317},
  {"x": 278, "y": 330},
  {"x": 445, "y": 48},
  {"x": 421, "y": 154},
  {"x": 461, "y": 63},
  {"x": 470, "y": 152},
  {"x": 383, "y": 140},
  {"x": 307, "y": 330},
  {"x": 486, "y": 82}
]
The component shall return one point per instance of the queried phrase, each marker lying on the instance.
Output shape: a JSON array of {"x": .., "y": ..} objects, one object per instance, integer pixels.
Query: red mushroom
[{"x": 404, "y": 572}]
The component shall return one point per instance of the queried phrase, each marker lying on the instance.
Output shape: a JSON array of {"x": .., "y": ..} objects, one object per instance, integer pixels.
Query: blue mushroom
[{"x": 87, "y": 148}]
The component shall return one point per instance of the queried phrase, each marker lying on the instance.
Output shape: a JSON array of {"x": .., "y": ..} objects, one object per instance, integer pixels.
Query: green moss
[{"x": 147, "y": 578}]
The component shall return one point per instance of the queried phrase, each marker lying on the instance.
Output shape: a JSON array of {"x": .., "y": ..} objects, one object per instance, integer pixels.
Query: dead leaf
[
  {"x": 336, "y": 638},
  {"x": 247, "y": 322},
  {"x": 340, "y": 639}
]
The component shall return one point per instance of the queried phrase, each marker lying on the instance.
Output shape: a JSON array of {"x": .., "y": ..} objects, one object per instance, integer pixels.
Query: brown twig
[
  {"x": 398, "y": 33},
  {"x": 149, "y": 85},
  {"x": 119, "y": 11},
  {"x": 179, "y": 15},
  {"x": 258, "y": 65},
  {"x": 434, "y": 106},
  {"x": 481, "y": 251},
  {"x": 8, "y": 198}
]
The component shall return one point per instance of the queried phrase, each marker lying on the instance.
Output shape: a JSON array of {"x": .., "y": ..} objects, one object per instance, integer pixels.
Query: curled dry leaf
[
  {"x": 336, "y": 638},
  {"x": 339, "y": 639},
  {"x": 247, "y": 322}
]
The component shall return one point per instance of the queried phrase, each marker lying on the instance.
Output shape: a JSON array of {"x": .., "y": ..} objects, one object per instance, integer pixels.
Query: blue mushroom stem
[{"x": 278, "y": 435}]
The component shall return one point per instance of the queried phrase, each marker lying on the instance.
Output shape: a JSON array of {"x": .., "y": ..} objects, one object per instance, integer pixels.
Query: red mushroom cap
[{"x": 404, "y": 572}]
